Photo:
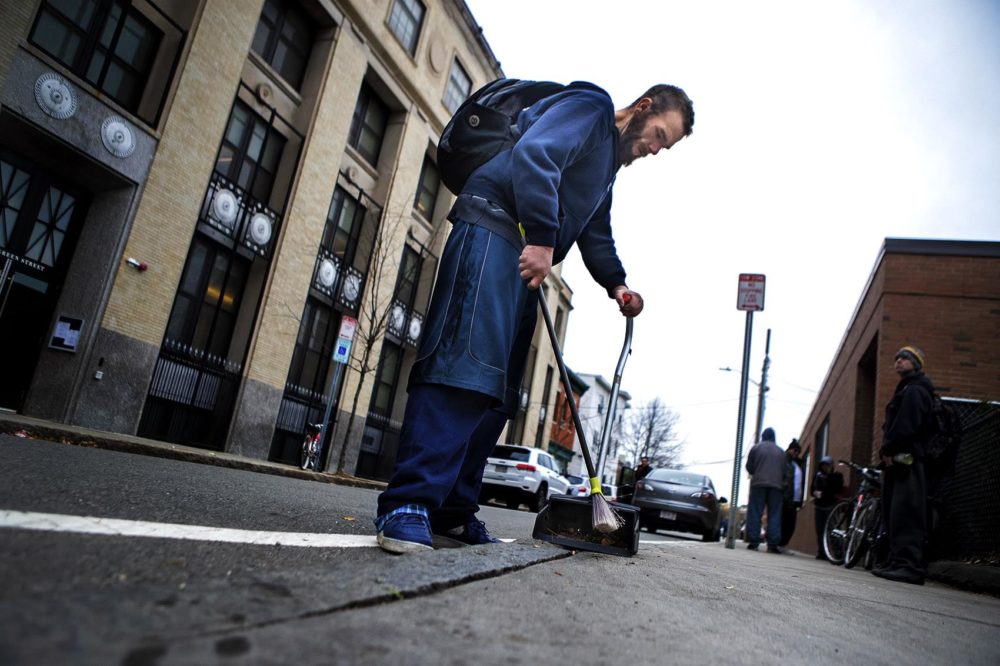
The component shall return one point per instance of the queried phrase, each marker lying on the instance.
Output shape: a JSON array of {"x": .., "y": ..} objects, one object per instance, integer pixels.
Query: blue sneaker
[
  {"x": 472, "y": 533},
  {"x": 405, "y": 533}
]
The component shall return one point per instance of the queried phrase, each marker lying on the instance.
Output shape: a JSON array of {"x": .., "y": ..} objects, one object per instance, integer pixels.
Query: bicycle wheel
[
  {"x": 835, "y": 533},
  {"x": 860, "y": 533},
  {"x": 878, "y": 541}
]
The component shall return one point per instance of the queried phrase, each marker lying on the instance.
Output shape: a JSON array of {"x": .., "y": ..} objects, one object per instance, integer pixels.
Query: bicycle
[
  {"x": 310, "y": 446},
  {"x": 854, "y": 527}
]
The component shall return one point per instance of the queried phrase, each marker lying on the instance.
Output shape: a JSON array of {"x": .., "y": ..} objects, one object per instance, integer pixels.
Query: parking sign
[{"x": 751, "y": 292}]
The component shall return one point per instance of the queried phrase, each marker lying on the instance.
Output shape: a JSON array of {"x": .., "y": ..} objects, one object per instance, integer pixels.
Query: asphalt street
[{"x": 69, "y": 597}]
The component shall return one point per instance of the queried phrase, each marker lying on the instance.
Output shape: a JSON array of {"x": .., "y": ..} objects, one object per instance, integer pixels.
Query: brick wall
[{"x": 932, "y": 294}]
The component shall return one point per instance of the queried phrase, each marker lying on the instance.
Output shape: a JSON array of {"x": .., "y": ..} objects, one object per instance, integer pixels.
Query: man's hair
[{"x": 670, "y": 98}]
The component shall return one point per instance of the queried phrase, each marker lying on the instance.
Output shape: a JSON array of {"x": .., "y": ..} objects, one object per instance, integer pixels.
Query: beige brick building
[{"x": 195, "y": 194}]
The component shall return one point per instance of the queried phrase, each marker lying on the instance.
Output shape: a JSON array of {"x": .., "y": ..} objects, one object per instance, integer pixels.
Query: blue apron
[{"x": 482, "y": 317}]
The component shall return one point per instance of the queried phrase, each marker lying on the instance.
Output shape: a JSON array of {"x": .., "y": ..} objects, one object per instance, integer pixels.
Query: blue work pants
[{"x": 762, "y": 498}]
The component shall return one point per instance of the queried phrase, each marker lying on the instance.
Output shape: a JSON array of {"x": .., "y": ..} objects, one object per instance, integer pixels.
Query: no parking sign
[{"x": 751, "y": 292}]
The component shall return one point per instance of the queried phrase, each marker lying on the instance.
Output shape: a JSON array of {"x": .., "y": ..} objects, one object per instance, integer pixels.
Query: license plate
[
  {"x": 503, "y": 469},
  {"x": 668, "y": 515}
]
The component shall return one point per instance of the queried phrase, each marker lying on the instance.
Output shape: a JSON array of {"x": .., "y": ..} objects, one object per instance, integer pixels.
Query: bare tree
[
  {"x": 373, "y": 311},
  {"x": 649, "y": 431}
]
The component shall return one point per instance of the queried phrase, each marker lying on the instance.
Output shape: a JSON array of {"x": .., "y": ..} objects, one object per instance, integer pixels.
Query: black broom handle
[{"x": 566, "y": 385}]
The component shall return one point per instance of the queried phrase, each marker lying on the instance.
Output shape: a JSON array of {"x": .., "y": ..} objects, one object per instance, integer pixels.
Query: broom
[{"x": 604, "y": 518}]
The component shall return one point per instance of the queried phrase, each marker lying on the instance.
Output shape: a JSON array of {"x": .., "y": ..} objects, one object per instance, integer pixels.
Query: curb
[
  {"x": 981, "y": 578},
  {"x": 33, "y": 428}
]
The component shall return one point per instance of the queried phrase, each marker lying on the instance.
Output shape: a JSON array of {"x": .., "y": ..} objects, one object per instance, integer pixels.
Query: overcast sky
[{"x": 820, "y": 130}]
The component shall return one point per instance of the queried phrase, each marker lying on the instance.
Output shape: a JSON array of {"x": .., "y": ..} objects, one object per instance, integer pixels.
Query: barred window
[
  {"x": 405, "y": 20},
  {"x": 459, "y": 87}
]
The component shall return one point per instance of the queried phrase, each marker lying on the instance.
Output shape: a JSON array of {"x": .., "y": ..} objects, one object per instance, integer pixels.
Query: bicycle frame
[{"x": 844, "y": 538}]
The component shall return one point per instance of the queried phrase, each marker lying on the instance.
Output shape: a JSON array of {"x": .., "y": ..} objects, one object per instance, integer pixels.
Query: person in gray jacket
[{"x": 766, "y": 465}]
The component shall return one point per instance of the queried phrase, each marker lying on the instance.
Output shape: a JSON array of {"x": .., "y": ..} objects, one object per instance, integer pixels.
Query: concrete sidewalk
[
  {"x": 981, "y": 578},
  {"x": 26, "y": 426}
]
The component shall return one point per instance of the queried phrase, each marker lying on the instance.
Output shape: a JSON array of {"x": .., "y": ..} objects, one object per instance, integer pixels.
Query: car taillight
[
  {"x": 703, "y": 494},
  {"x": 525, "y": 467}
]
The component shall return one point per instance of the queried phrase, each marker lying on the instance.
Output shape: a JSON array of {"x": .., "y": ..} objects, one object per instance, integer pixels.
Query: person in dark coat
[
  {"x": 766, "y": 464},
  {"x": 517, "y": 215},
  {"x": 827, "y": 487},
  {"x": 794, "y": 487},
  {"x": 643, "y": 469},
  {"x": 906, "y": 430}
]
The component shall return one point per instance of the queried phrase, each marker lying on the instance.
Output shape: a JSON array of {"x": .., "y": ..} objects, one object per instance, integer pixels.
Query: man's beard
[{"x": 630, "y": 136}]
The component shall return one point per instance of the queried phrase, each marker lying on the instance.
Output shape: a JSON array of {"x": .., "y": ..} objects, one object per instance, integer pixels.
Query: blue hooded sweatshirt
[{"x": 557, "y": 179}]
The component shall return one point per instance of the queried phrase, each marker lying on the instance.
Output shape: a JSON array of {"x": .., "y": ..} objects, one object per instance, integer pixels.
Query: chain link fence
[{"x": 967, "y": 525}]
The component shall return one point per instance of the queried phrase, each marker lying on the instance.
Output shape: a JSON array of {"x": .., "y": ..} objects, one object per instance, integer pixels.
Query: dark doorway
[{"x": 39, "y": 224}]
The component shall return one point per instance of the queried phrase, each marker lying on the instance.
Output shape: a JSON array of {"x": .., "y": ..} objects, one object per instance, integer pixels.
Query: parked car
[
  {"x": 672, "y": 499},
  {"x": 611, "y": 492},
  {"x": 578, "y": 486},
  {"x": 521, "y": 474},
  {"x": 614, "y": 493}
]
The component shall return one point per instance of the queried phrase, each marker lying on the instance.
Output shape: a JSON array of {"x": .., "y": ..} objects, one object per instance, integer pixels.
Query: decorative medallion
[
  {"x": 352, "y": 287},
  {"x": 327, "y": 273},
  {"x": 117, "y": 136},
  {"x": 55, "y": 96},
  {"x": 398, "y": 317},
  {"x": 224, "y": 207},
  {"x": 260, "y": 228},
  {"x": 416, "y": 327}
]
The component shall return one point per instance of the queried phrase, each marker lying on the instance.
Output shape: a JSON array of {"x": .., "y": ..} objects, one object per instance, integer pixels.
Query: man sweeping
[{"x": 516, "y": 216}]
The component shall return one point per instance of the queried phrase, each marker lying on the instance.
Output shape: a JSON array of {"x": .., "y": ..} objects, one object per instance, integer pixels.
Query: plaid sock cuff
[{"x": 415, "y": 509}]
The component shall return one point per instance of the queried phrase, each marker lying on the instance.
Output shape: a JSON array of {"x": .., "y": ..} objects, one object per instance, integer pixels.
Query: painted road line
[{"x": 54, "y": 522}]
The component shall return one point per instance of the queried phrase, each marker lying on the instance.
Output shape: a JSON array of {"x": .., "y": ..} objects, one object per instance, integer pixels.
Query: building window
[
  {"x": 284, "y": 39},
  {"x": 343, "y": 225},
  {"x": 386, "y": 379},
  {"x": 430, "y": 183},
  {"x": 250, "y": 153},
  {"x": 108, "y": 43},
  {"x": 823, "y": 439},
  {"x": 405, "y": 325},
  {"x": 208, "y": 299},
  {"x": 405, "y": 20},
  {"x": 543, "y": 411},
  {"x": 459, "y": 87},
  {"x": 371, "y": 116}
]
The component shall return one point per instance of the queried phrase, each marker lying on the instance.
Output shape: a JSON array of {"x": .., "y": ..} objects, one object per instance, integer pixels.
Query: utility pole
[{"x": 762, "y": 388}]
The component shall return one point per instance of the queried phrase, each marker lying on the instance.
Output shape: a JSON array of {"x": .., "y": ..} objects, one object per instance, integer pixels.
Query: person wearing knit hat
[
  {"x": 905, "y": 433},
  {"x": 913, "y": 355}
]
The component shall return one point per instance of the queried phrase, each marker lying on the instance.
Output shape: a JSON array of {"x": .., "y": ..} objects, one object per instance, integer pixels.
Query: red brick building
[{"x": 941, "y": 296}]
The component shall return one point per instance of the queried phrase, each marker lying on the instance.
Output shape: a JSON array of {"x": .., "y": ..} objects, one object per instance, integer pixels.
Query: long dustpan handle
[
  {"x": 602, "y": 449},
  {"x": 569, "y": 394}
]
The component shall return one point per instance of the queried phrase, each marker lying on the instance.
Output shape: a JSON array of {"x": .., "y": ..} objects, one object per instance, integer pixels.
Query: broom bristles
[{"x": 605, "y": 519}]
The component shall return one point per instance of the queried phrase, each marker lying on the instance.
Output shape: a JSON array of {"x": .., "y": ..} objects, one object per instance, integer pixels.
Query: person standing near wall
[
  {"x": 904, "y": 491},
  {"x": 826, "y": 488},
  {"x": 766, "y": 465},
  {"x": 793, "y": 489}
]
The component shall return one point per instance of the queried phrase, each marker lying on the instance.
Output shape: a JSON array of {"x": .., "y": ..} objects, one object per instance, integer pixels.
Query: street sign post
[
  {"x": 750, "y": 298},
  {"x": 341, "y": 354}
]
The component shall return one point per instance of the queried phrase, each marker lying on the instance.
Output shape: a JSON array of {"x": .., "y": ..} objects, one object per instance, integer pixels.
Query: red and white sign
[
  {"x": 347, "y": 327},
  {"x": 345, "y": 336},
  {"x": 751, "y": 293}
]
